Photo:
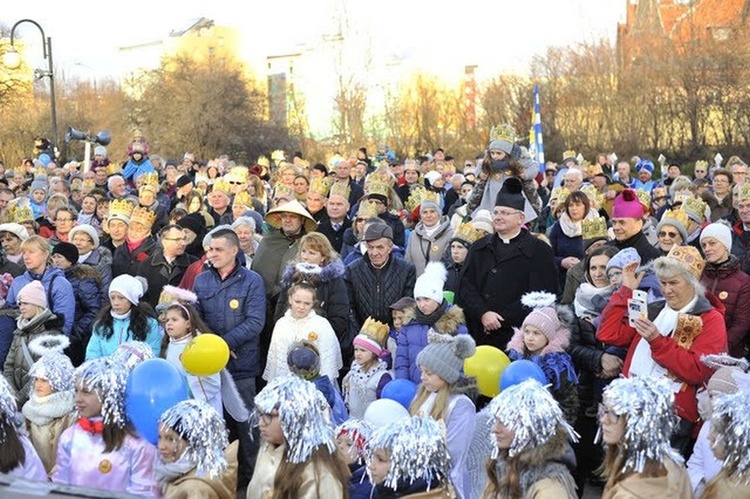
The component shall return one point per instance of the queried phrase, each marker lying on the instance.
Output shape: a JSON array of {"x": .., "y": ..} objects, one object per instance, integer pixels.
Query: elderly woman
[
  {"x": 724, "y": 278},
  {"x": 676, "y": 333},
  {"x": 86, "y": 239},
  {"x": 672, "y": 230},
  {"x": 637, "y": 419},
  {"x": 244, "y": 227},
  {"x": 12, "y": 235}
]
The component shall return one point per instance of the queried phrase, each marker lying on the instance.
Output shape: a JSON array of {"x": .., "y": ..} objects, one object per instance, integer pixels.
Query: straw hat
[{"x": 273, "y": 217}]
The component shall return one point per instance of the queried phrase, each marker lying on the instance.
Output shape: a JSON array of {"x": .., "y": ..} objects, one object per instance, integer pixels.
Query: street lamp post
[{"x": 13, "y": 60}]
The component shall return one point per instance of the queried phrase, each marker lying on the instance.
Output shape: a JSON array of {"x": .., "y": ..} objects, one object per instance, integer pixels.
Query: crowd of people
[{"x": 332, "y": 284}]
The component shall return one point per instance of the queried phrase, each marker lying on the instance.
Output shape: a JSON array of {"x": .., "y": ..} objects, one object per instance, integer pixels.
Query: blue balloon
[
  {"x": 521, "y": 370},
  {"x": 153, "y": 387},
  {"x": 401, "y": 390}
]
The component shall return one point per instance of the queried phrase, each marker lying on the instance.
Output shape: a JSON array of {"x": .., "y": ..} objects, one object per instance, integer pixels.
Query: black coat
[
  {"x": 395, "y": 223},
  {"x": 159, "y": 273},
  {"x": 641, "y": 245},
  {"x": 496, "y": 275},
  {"x": 586, "y": 352},
  {"x": 85, "y": 281},
  {"x": 336, "y": 238},
  {"x": 372, "y": 291},
  {"x": 125, "y": 262}
]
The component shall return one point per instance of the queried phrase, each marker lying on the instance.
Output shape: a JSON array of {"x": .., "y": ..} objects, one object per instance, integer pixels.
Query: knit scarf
[
  {"x": 431, "y": 319},
  {"x": 43, "y": 410},
  {"x": 168, "y": 472}
]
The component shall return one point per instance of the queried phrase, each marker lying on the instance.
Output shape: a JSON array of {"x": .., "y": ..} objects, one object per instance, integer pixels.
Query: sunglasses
[{"x": 670, "y": 235}]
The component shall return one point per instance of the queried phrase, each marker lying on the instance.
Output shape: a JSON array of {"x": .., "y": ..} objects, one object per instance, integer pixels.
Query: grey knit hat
[
  {"x": 40, "y": 182},
  {"x": 445, "y": 354}
]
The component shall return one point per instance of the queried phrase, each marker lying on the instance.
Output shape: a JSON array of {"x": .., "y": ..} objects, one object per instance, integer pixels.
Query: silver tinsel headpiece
[
  {"x": 359, "y": 432},
  {"x": 530, "y": 411},
  {"x": 8, "y": 408},
  {"x": 731, "y": 422},
  {"x": 108, "y": 379},
  {"x": 417, "y": 449},
  {"x": 132, "y": 353},
  {"x": 52, "y": 365},
  {"x": 205, "y": 432},
  {"x": 648, "y": 404},
  {"x": 303, "y": 413}
]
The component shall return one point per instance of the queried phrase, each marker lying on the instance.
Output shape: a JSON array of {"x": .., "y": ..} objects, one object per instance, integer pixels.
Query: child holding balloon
[
  {"x": 542, "y": 339},
  {"x": 369, "y": 374},
  {"x": 445, "y": 394},
  {"x": 100, "y": 451}
]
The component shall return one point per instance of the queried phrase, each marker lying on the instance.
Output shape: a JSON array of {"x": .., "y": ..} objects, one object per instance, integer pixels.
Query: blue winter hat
[
  {"x": 644, "y": 163},
  {"x": 623, "y": 258}
]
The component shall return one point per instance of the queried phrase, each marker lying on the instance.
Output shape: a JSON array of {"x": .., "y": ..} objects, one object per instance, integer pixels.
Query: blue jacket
[
  {"x": 413, "y": 338},
  {"x": 235, "y": 309},
  {"x": 99, "y": 346},
  {"x": 133, "y": 169},
  {"x": 59, "y": 293},
  {"x": 88, "y": 298}
]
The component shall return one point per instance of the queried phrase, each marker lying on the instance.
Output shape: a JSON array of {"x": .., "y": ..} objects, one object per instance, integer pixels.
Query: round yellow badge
[
  {"x": 723, "y": 295},
  {"x": 436, "y": 248},
  {"x": 312, "y": 336},
  {"x": 234, "y": 304},
  {"x": 105, "y": 466}
]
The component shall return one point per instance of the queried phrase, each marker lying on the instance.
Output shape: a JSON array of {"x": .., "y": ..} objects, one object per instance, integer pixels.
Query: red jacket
[
  {"x": 732, "y": 286},
  {"x": 684, "y": 364}
]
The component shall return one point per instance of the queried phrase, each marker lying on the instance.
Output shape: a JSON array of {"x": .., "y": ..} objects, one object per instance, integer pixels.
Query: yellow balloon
[
  {"x": 205, "y": 355},
  {"x": 487, "y": 366}
]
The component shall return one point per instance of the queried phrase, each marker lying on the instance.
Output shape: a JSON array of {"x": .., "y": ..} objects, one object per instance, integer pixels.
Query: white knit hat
[
  {"x": 128, "y": 286},
  {"x": 430, "y": 283},
  {"x": 483, "y": 221},
  {"x": 87, "y": 229},
  {"x": 721, "y": 232},
  {"x": 17, "y": 230}
]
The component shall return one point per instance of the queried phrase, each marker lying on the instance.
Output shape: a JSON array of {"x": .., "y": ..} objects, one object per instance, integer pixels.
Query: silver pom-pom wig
[
  {"x": 52, "y": 365},
  {"x": 204, "y": 430},
  {"x": 107, "y": 379},
  {"x": 303, "y": 413}
]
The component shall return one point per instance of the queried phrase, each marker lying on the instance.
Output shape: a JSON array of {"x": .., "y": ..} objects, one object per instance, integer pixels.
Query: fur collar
[
  {"x": 332, "y": 271},
  {"x": 559, "y": 343},
  {"x": 43, "y": 410},
  {"x": 447, "y": 324}
]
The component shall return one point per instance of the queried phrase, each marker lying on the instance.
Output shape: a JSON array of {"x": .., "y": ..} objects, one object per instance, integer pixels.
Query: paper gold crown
[
  {"x": 223, "y": 185},
  {"x": 278, "y": 155},
  {"x": 695, "y": 207},
  {"x": 659, "y": 192},
  {"x": 282, "y": 190},
  {"x": 467, "y": 232},
  {"x": 113, "y": 169},
  {"x": 596, "y": 197},
  {"x": 689, "y": 257},
  {"x": 382, "y": 175},
  {"x": 120, "y": 209},
  {"x": 560, "y": 194},
  {"x": 377, "y": 186},
  {"x": 150, "y": 179},
  {"x": 645, "y": 198},
  {"x": 149, "y": 188},
  {"x": 569, "y": 154},
  {"x": 411, "y": 164},
  {"x": 504, "y": 132},
  {"x": 320, "y": 185},
  {"x": 744, "y": 193},
  {"x": 678, "y": 215},
  {"x": 20, "y": 214},
  {"x": 594, "y": 228},
  {"x": 238, "y": 174},
  {"x": 339, "y": 189},
  {"x": 243, "y": 198},
  {"x": 263, "y": 161},
  {"x": 419, "y": 196},
  {"x": 367, "y": 210},
  {"x": 143, "y": 216},
  {"x": 88, "y": 185},
  {"x": 701, "y": 163},
  {"x": 376, "y": 330}
]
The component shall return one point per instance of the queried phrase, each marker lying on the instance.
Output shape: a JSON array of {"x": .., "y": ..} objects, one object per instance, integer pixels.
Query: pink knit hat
[
  {"x": 368, "y": 344},
  {"x": 627, "y": 205},
  {"x": 33, "y": 293},
  {"x": 546, "y": 320}
]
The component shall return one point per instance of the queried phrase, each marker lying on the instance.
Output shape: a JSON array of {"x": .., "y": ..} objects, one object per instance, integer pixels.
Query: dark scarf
[{"x": 431, "y": 319}]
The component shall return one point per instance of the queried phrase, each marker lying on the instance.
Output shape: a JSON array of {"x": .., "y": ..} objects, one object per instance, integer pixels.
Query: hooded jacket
[
  {"x": 732, "y": 286},
  {"x": 59, "y": 294}
]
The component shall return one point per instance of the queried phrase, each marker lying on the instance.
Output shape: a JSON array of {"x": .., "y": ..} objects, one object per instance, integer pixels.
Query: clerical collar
[{"x": 508, "y": 240}]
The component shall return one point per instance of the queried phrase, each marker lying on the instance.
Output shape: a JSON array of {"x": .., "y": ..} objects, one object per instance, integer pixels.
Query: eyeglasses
[
  {"x": 607, "y": 415},
  {"x": 507, "y": 213},
  {"x": 358, "y": 220},
  {"x": 231, "y": 182},
  {"x": 266, "y": 418},
  {"x": 670, "y": 235}
]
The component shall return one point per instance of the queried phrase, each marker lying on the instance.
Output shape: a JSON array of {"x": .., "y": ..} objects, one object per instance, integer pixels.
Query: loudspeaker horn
[
  {"x": 73, "y": 134},
  {"x": 103, "y": 138}
]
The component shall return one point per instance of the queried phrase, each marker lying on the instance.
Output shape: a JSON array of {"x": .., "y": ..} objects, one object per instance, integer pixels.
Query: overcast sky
[{"x": 499, "y": 35}]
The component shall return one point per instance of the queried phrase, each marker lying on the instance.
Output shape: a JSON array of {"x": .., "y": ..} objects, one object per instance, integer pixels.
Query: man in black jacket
[
  {"x": 378, "y": 279},
  {"x": 627, "y": 224},
  {"x": 501, "y": 267},
  {"x": 167, "y": 264}
]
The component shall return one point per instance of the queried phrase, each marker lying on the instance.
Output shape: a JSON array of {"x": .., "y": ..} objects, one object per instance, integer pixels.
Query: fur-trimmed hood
[
  {"x": 332, "y": 271},
  {"x": 84, "y": 271},
  {"x": 447, "y": 324},
  {"x": 466, "y": 385},
  {"x": 558, "y": 343}
]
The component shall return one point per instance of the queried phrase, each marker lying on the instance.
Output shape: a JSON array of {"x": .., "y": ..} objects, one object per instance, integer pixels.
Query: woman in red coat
[{"x": 677, "y": 333}]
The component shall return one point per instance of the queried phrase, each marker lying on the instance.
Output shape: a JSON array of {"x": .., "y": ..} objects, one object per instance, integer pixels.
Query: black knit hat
[
  {"x": 68, "y": 251},
  {"x": 511, "y": 195},
  {"x": 184, "y": 180},
  {"x": 193, "y": 222}
]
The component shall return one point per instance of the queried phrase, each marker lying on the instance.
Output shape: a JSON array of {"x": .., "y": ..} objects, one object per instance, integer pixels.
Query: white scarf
[
  {"x": 44, "y": 410},
  {"x": 642, "y": 363},
  {"x": 568, "y": 226}
]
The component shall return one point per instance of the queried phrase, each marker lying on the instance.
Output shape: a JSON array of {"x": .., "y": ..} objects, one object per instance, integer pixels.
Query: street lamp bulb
[{"x": 12, "y": 59}]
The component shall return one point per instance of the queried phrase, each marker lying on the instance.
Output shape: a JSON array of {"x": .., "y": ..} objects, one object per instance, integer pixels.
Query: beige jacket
[
  {"x": 439, "y": 493},
  {"x": 45, "y": 437},
  {"x": 316, "y": 484},
  {"x": 190, "y": 486},
  {"x": 723, "y": 487},
  {"x": 674, "y": 485}
]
